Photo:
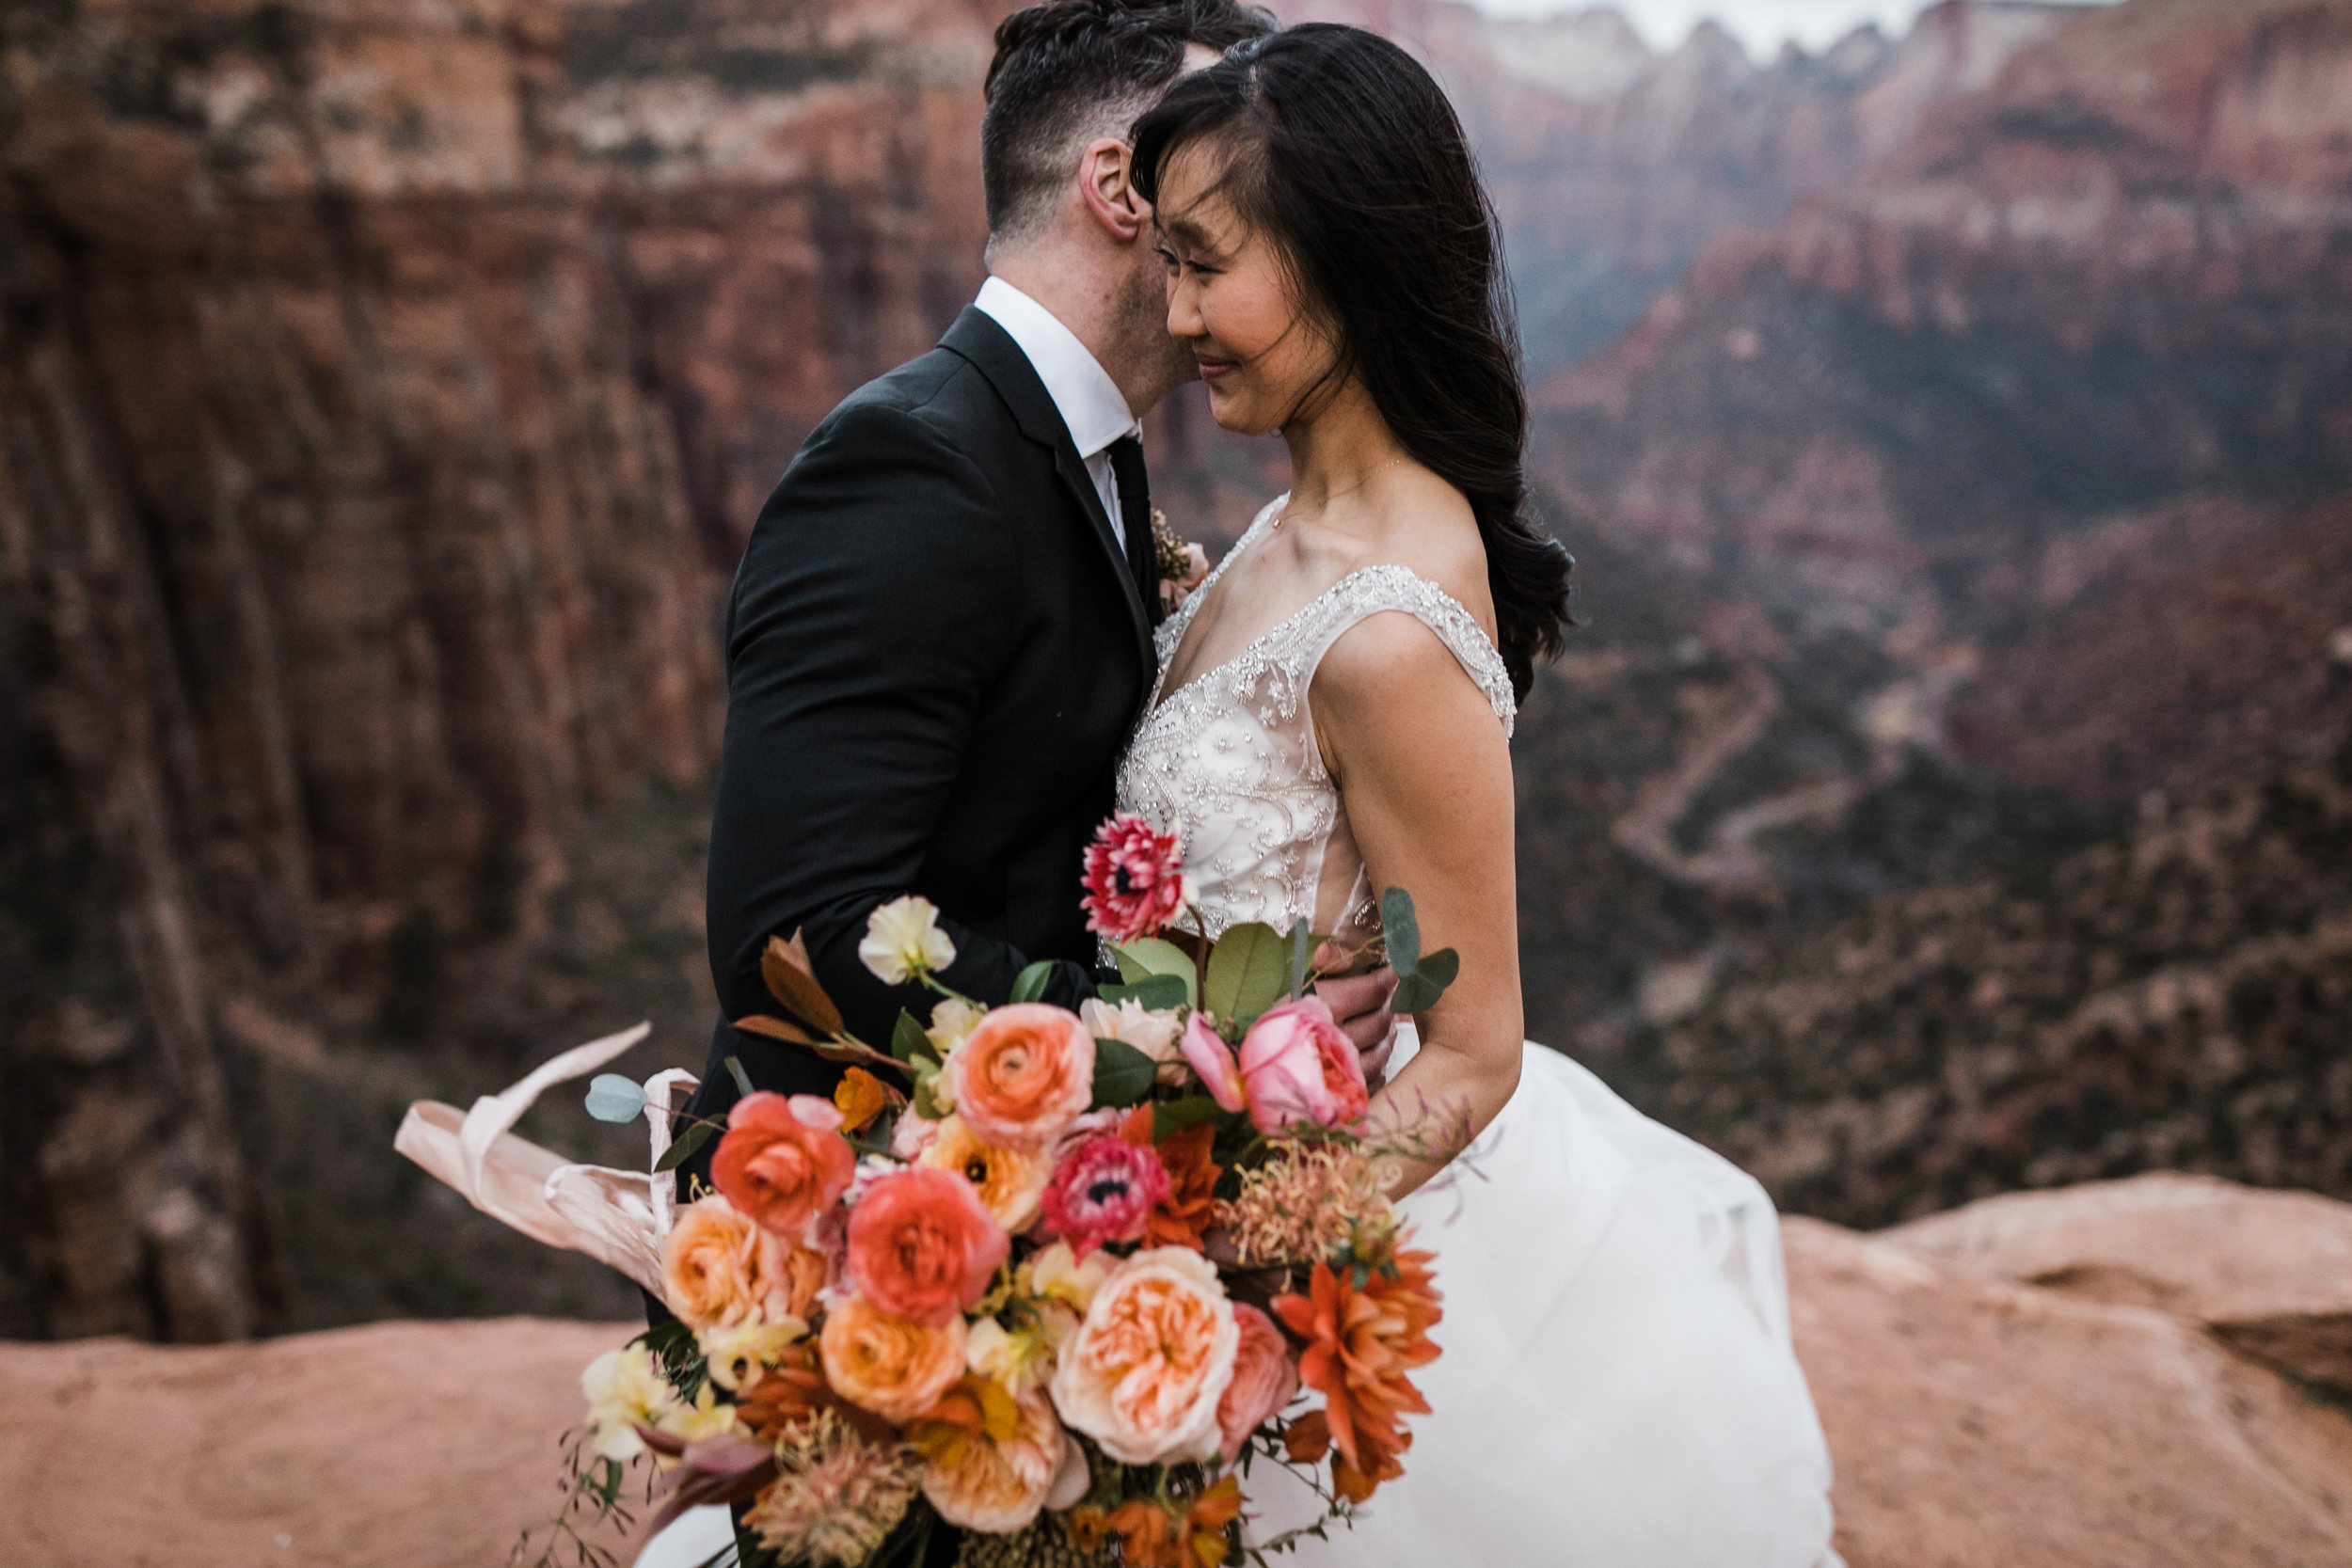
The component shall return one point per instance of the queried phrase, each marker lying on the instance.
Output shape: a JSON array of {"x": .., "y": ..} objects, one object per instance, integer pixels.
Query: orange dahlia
[
  {"x": 1365, "y": 1331},
  {"x": 1184, "y": 1215},
  {"x": 1152, "y": 1535}
]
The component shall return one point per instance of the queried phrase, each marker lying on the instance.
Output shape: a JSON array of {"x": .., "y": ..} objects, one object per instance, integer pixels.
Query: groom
[{"x": 940, "y": 636}]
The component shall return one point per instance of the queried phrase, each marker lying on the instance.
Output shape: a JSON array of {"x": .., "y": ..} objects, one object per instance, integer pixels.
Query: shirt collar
[{"x": 1088, "y": 400}]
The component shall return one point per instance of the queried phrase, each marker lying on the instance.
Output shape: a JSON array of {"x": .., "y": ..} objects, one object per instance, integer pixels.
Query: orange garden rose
[
  {"x": 1023, "y": 1075},
  {"x": 923, "y": 1245},
  {"x": 720, "y": 1270},
  {"x": 892, "y": 1366},
  {"x": 783, "y": 1160},
  {"x": 1010, "y": 1182},
  {"x": 1151, "y": 1361},
  {"x": 1361, "y": 1342},
  {"x": 1264, "y": 1380},
  {"x": 993, "y": 1457}
]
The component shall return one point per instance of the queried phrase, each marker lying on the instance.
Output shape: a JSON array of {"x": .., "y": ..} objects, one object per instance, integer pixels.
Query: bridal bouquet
[{"x": 1057, "y": 1278}]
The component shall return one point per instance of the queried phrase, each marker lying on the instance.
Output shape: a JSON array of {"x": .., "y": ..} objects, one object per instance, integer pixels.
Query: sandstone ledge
[{"x": 1977, "y": 1421}]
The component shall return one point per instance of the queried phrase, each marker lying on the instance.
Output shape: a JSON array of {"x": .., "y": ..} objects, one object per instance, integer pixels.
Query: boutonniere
[{"x": 1182, "y": 564}]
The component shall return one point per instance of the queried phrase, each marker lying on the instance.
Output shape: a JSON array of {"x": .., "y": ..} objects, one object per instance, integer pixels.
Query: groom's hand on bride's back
[{"x": 1361, "y": 1002}]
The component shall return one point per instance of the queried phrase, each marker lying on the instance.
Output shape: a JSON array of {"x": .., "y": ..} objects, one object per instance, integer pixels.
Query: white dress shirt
[{"x": 1084, "y": 393}]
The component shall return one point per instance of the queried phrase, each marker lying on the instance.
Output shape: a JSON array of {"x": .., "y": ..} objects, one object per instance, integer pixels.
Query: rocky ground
[{"x": 2151, "y": 1373}]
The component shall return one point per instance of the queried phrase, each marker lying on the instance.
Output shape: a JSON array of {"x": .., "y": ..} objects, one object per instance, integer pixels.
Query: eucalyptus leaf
[
  {"x": 1029, "y": 986},
  {"x": 1419, "y": 991},
  {"x": 1154, "y": 992},
  {"x": 1402, "y": 928},
  {"x": 613, "y": 1098},
  {"x": 1302, "y": 945},
  {"x": 684, "y": 1149},
  {"x": 1157, "y": 955},
  {"x": 1171, "y": 1117},
  {"x": 908, "y": 1043},
  {"x": 1247, "y": 969},
  {"x": 735, "y": 1071},
  {"x": 1122, "y": 1074}
]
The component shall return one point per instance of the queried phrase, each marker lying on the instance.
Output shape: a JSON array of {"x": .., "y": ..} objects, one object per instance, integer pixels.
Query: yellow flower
[
  {"x": 903, "y": 941},
  {"x": 952, "y": 1020},
  {"x": 626, "y": 1389},
  {"x": 1011, "y": 1184},
  {"x": 739, "y": 1353},
  {"x": 1056, "y": 1273}
]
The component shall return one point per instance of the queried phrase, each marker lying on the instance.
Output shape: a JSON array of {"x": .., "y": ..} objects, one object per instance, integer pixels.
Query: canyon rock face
[
  {"x": 1975, "y": 1421},
  {"x": 343, "y": 563}
]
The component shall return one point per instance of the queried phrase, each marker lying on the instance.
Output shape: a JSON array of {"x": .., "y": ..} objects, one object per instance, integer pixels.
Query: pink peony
[
  {"x": 1105, "y": 1191},
  {"x": 1212, "y": 1060},
  {"x": 1265, "y": 1378},
  {"x": 1299, "y": 1067},
  {"x": 1135, "y": 878}
]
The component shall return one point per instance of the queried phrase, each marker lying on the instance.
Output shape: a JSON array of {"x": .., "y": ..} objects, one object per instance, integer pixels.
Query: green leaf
[
  {"x": 1302, "y": 942},
  {"x": 1157, "y": 955},
  {"x": 1419, "y": 991},
  {"x": 1122, "y": 1074},
  {"x": 1402, "y": 928},
  {"x": 926, "y": 1105},
  {"x": 1247, "y": 969},
  {"x": 1030, "y": 985},
  {"x": 613, "y": 1098},
  {"x": 688, "y": 1142},
  {"x": 1171, "y": 1117},
  {"x": 908, "y": 1043},
  {"x": 1154, "y": 992},
  {"x": 735, "y": 1071}
]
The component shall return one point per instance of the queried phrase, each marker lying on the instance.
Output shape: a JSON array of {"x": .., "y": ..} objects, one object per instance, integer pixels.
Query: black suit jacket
[{"x": 935, "y": 653}]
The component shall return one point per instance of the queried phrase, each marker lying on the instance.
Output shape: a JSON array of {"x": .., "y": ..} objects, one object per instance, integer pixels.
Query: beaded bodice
[{"x": 1230, "y": 761}]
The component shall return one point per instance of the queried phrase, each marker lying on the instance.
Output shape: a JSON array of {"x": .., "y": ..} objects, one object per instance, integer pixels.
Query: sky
[{"x": 1763, "y": 25}]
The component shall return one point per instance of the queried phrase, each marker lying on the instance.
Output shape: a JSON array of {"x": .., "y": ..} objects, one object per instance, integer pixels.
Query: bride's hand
[{"x": 1361, "y": 1002}]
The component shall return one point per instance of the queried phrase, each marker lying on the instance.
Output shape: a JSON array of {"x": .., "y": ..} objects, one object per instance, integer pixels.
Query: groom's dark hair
[{"x": 1081, "y": 69}]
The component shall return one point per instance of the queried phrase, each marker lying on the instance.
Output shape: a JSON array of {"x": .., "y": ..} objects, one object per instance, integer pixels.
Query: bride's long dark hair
[{"x": 1346, "y": 154}]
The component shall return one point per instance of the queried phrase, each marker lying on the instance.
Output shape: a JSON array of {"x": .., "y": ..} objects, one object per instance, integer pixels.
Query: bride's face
[{"x": 1265, "y": 359}]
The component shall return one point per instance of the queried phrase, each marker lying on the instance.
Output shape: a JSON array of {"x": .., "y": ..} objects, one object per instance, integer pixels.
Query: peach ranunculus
[
  {"x": 1023, "y": 1075},
  {"x": 893, "y": 1366},
  {"x": 720, "y": 1270},
  {"x": 1299, "y": 1067},
  {"x": 783, "y": 1160},
  {"x": 993, "y": 1457},
  {"x": 1010, "y": 1182},
  {"x": 1154, "y": 1355},
  {"x": 923, "y": 1245},
  {"x": 1264, "y": 1379}
]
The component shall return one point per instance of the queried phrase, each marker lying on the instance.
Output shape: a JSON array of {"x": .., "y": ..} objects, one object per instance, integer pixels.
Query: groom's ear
[{"x": 1111, "y": 198}]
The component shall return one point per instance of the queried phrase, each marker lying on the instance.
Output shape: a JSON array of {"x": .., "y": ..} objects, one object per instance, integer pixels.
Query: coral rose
[
  {"x": 1022, "y": 1074},
  {"x": 783, "y": 1160},
  {"x": 1264, "y": 1379},
  {"x": 895, "y": 1366},
  {"x": 1009, "y": 1180},
  {"x": 1104, "y": 1190},
  {"x": 1299, "y": 1067},
  {"x": 923, "y": 1245},
  {"x": 720, "y": 1270},
  {"x": 994, "y": 1474},
  {"x": 1152, "y": 1359}
]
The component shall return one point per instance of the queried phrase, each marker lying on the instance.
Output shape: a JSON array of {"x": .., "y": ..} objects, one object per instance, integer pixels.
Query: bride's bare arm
[{"x": 1424, "y": 770}]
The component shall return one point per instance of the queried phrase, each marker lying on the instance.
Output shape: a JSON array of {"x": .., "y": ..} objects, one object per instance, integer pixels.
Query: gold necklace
[{"x": 1283, "y": 516}]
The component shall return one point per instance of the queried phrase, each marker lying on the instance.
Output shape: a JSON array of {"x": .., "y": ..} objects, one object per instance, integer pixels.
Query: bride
[{"x": 1331, "y": 718}]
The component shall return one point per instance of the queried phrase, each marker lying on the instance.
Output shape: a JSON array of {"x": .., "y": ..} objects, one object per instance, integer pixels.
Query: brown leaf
[
  {"x": 855, "y": 1051},
  {"x": 785, "y": 968},
  {"x": 776, "y": 1029}
]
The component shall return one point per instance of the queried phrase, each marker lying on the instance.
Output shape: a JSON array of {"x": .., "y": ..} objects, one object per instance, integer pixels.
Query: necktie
[{"x": 1134, "y": 518}]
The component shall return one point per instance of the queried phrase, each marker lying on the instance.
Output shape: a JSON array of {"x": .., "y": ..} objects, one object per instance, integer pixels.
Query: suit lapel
[{"x": 991, "y": 350}]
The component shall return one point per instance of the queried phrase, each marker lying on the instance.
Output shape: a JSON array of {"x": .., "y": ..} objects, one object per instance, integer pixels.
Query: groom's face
[{"x": 1142, "y": 307}]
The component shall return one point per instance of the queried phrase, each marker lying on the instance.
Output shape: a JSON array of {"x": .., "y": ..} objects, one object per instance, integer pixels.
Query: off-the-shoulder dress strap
[{"x": 1368, "y": 591}]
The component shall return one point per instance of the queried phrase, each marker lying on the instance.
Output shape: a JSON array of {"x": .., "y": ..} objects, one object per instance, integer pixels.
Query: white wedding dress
[{"x": 1616, "y": 1387}]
